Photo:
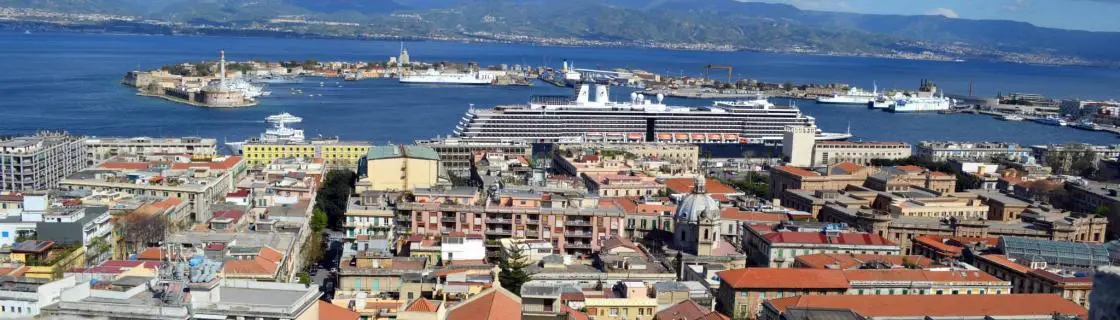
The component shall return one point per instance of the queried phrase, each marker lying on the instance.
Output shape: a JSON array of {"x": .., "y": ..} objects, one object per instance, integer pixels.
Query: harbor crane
[{"x": 708, "y": 69}]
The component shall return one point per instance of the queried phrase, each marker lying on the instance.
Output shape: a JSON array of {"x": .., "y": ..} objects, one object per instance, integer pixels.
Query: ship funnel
[
  {"x": 582, "y": 95},
  {"x": 602, "y": 94},
  {"x": 565, "y": 69}
]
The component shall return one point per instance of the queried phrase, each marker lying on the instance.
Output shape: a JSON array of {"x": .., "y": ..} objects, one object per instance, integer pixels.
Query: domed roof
[{"x": 697, "y": 204}]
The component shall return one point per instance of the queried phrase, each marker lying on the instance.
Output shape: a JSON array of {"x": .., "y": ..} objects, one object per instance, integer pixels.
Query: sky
[{"x": 1092, "y": 15}]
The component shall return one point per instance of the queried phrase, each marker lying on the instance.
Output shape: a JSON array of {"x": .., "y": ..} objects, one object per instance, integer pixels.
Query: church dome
[{"x": 696, "y": 205}]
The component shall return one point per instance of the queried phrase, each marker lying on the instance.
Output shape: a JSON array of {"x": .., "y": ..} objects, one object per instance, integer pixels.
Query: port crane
[{"x": 708, "y": 69}]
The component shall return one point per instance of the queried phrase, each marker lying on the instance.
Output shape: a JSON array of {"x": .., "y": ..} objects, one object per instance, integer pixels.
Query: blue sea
[{"x": 71, "y": 81}]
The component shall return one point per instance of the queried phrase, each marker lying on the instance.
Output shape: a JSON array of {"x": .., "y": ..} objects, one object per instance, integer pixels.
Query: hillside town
[{"x": 170, "y": 228}]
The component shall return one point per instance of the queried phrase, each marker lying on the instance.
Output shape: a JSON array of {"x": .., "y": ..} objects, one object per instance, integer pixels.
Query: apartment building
[
  {"x": 41, "y": 161},
  {"x": 780, "y": 249},
  {"x": 827, "y": 153},
  {"x": 105, "y": 148},
  {"x": 969, "y": 151}
]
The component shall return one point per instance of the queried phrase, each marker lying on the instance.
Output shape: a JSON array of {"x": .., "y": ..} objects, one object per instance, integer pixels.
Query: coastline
[
  {"x": 542, "y": 42},
  {"x": 196, "y": 104}
]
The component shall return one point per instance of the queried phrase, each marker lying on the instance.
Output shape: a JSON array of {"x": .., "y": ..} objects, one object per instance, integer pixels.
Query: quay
[{"x": 171, "y": 98}]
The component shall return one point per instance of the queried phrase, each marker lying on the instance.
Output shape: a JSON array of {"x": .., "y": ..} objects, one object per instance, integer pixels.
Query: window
[{"x": 614, "y": 311}]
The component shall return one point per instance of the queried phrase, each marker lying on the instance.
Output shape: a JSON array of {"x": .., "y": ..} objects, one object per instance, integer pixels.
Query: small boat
[
  {"x": 26, "y": 31},
  {"x": 1011, "y": 117},
  {"x": 1087, "y": 125}
]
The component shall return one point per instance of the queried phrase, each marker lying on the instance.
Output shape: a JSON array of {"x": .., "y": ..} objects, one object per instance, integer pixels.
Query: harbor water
[{"x": 71, "y": 82}]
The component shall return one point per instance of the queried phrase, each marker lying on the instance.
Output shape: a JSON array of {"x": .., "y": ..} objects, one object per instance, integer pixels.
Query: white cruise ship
[
  {"x": 565, "y": 119},
  {"x": 279, "y": 133},
  {"x": 439, "y": 77},
  {"x": 854, "y": 96}
]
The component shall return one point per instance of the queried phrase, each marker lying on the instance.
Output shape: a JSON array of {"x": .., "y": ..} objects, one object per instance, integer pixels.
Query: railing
[
  {"x": 577, "y": 223},
  {"x": 498, "y": 232},
  {"x": 577, "y": 245},
  {"x": 533, "y": 221},
  {"x": 498, "y": 220},
  {"x": 578, "y": 234},
  {"x": 448, "y": 219}
]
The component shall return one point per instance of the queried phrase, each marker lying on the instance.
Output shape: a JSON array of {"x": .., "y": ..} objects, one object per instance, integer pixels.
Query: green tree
[
  {"x": 318, "y": 220},
  {"x": 1102, "y": 211},
  {"x": 513, "y": 273},
  {"x": 304, "y": 278},
  {"x": 334, "y": 194}
]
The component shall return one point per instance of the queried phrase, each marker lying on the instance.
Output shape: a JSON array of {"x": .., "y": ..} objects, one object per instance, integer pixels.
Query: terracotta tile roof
[
  {"x": 866, "y": 239},
  {"x": 150, "y": 254},
  {"x": 331, "y": 311},
  {"x": 270, "y": 254},
  {"x": 773, "y": 278},
  {"x": 847, "y": 261},
  {"x": 229, "y": 162},
  {"x": 735, "y": 214},
  {"x": 1005, "y": 305},
  {"x": 848, "y": 167},
  {"x": 422, "y": 305},
  {"x": 953, "y": 245},
  {"x": 918, "y": 275},
  {"x": 255, "y": 267},
  {"x": 167, "y": 203},
  {"x": 615, "y": 242},
  {"x": 573, "y": 314},
  {"x": 239, "y": 193},
  {"x": 685, "y": 185},
  {"x": 910, "y": 168},
  {"x": 493, "y": 304},
  {"x": 797, "y": 171},
  {"x": 685, "y": 310},
  {"x": 1002, "y": 260}
]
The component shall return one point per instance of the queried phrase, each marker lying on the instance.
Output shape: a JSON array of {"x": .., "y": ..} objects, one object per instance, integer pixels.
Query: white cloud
[{"x": 944, "y": 12}]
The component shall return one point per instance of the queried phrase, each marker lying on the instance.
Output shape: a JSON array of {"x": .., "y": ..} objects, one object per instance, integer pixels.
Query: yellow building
[
  {"x": 334, "y": 152},
  {"x": 637, "y": 308},
  {"x": 404, "y": 167},
  {"x": 45, "y": 260}
]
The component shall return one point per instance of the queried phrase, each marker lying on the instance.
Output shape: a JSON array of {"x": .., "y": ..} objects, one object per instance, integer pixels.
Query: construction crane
[{"x": 708, "y": 69}]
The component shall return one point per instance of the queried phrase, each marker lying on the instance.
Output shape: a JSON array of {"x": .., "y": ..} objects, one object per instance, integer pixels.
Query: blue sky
[{"x": 1095, "y": 15}]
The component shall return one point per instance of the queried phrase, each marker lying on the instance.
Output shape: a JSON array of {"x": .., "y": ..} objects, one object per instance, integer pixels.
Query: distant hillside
[{"x": 741, "y": 24}]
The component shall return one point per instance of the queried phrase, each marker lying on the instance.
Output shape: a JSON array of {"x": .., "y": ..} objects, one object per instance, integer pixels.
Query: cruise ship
[
  {"x": 440, "y": 77},
  {"x": 566, "y": 119},
  {"x": 279, "y": 133},
  {"x": 854, "y": 96}
]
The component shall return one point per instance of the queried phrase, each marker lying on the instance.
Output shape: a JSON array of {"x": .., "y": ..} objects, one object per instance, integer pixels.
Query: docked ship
[
  {"x": 1052, "y": 120},
  {"x": 1011, "y": 117},
  {"x": 1087, "y": 125},
  {"x": 855, "y": 96},
  {"x": 927, "y": 99},
  {"x": 279, "y": 133},
  {"x": 440, "y": 77},
  {"x": 566, "y": 119}
]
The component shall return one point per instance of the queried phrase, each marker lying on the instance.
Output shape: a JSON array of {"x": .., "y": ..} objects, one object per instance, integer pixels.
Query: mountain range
[{"x": 748, "y": 25}]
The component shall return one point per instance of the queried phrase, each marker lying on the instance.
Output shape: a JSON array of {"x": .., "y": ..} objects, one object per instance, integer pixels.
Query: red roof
[
  {"x": 797, "y": 171},
  {"x": 230, "y": 214},
  {"x": 910, "y": 168},
  {"x": 229, "y": 162},
  {"x": 848, "y": 261},
  {"x": 422, "y": 305},
  {"x": 848, "y": 167},
  {"x": 1002, "y": 260},
  {"x": 494, "y": 304},
  {"x": 238, "y": 194},
  {"x": 938, "y": 306},
  {"x": 774, "y": 278},
  {"x": 687, "y": 310},
  {"x": 332, "y": 311},
  {"x": 150, "y": 254},
  {"x": 859, "y": 239},
  {"x": 685, "y": 185},
  {"x": 735, "y": 214}
]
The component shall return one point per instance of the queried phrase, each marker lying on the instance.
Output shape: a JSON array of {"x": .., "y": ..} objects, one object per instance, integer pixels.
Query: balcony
[
  {"x": 577, "y": 223},
  {"x": 499, "y": 220},
  {"x": 576, "y": 234},
  {"x": 536, "y": 308},
  {"x": 535, "y": 222},
  {"x": 498, "y": 232},
  {"x": 448, "y": 219},
  {"x": 577, "y": 245}
]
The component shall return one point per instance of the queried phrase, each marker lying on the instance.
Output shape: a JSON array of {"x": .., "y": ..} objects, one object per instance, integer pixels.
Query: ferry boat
[
  {"x": 564, "y": 119},
  {"x": 1011, "y": 117},
  {"x": 927, "y": 99},
  {"x": 279, "y": 133},
  {"x": 884, "y": 101},
  {"x": 270, "y": 79},
  {"x": 1052, "y": 120},
  {"x": 439, "y": 77},
  {"x": 855, "y": 96}
]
